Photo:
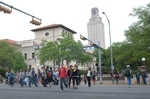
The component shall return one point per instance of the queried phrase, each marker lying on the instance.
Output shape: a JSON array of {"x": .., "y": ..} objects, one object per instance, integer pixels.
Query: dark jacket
[
  {"x": 75, "y": 73},
  {"x": 68, "y": 73}
]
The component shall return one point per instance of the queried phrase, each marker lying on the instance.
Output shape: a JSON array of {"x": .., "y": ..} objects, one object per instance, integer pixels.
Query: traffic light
[
  {"x": 82, "y": 37},
  {"x": 35, "y": 22},
  {"x": 93, "y": 44},
  {"x": 5, "y": 10}
]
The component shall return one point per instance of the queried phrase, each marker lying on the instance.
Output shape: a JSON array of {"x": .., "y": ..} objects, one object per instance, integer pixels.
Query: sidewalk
[{"x": 107, "y": 82}]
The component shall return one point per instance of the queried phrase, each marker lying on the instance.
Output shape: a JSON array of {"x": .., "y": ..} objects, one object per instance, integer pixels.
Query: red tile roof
[
  {"x": 53, "y": 26},
  {"x": 12, "y": 42}
]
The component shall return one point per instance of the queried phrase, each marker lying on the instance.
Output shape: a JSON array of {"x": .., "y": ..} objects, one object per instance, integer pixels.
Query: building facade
[
  {"x": 29, "y": 48},
  {"x": 95, "y": 28}
]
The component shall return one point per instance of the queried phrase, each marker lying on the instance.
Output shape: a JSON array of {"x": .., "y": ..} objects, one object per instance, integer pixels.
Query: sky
[{"x": 74, "y": 14}]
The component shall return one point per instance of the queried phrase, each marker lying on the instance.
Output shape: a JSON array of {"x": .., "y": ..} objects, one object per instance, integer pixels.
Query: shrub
[{"x": 2, "y": 72}]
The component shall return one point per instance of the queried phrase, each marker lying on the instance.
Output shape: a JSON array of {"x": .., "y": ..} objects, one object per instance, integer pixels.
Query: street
[{"x": 83, "y": 92}]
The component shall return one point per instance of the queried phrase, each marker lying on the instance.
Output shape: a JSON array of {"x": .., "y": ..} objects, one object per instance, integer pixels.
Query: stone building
[{"x": 30, "y": 47}]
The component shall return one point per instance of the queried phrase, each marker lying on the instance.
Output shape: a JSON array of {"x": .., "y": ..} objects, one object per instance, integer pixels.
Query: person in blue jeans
[
  {"x": 128, "y": 74},
  {"x": 11, "y": 77},
  {"x": 138, "y": 78},
  {"x": 32, "y": 78}
]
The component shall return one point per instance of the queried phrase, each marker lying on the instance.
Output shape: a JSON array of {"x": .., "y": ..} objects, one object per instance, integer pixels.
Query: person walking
[
  {"x": 146, "y": 77},
  {"x": 33, "y": 78},
  {"x": 94, "y": 77},
  {"x": 55, "y": 76},
  {"x": 7, "y": 77},
  {"x": 75, "y": 77},
  {"x": 138, "y": 78},
  {"x": 117, "y": 77},
  {"x": 128, "y": 74},
  {"x": 21, "y": 78},
  {"x": 69, "y": 74},
  {"x": 11, "y": 77},
  {"x": 50, "y": 76},
  {"x": 89, "y": 75},
  {"x": 84, "y": 79},
  {"x": 44, "y": 77},
  {"x": 62, "y": 75},
  {"x": 39, "y": 76}
]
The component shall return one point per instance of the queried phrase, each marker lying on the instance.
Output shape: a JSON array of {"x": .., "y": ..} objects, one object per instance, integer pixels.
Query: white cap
[{"x": 128, "y": 65}]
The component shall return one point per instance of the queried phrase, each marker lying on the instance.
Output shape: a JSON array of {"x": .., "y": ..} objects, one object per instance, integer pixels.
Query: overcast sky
[{"x": 74, "y": 14}]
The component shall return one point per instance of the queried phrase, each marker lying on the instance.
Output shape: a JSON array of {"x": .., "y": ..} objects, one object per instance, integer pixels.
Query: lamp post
[
  {"x": 143, "y": 59},
  {"x": 111, "y": 57},
  {"x": 99, "y": 55},
  {"x": 144, "y": 67}
]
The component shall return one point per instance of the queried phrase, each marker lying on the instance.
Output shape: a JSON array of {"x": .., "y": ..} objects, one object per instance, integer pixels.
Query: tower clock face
[{"x": 47, "y": 34}]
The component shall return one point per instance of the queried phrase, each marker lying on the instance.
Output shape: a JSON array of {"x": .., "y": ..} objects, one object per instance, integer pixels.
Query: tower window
[{"x": 94, "y": 12}]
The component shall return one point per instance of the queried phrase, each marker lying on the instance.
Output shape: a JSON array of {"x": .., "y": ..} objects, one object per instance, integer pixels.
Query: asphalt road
[{"x": 83, "y": 92}]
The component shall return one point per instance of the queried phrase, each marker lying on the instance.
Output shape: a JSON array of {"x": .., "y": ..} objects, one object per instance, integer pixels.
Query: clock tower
[{"x": 95, "y": 28}]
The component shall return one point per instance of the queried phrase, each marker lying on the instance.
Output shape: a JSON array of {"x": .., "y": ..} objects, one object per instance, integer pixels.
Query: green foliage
[
  {"x": 2, "y": 72},
  {"x": 134, "y": 47},
  {"x": 82, "y": 72},
  {"x": 10, "y": 57},
  {"x": 65, "y": 48},
  {"x": 7, "y": 55},
  {"x": 19, "y": 62}
]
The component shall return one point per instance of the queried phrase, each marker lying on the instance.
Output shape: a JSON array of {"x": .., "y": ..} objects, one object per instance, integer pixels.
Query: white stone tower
[{"x": 96, "y": 28}]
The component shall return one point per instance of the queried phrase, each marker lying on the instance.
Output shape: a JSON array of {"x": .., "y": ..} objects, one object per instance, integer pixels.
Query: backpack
[
  {"x": 143, "y": 75},
  {"x": 49, "y": 74},
  {"x": 117, "y": 75},
  {"x": 93, "y": 76},
  {"x": 128, "y": 73}
]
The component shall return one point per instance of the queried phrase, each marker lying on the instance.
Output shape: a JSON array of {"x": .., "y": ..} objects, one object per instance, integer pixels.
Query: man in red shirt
[{"x": 62, "y": 75}]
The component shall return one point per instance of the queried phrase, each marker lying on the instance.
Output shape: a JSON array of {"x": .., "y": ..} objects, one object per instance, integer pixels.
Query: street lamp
[
  {"x": 143, "y": 59},
  {"x": 99, "y": 55},
  {"x": 111, "y": 57}
]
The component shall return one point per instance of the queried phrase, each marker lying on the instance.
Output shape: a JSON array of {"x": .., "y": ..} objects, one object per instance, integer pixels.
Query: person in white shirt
[{"x": 89, "y": 75}]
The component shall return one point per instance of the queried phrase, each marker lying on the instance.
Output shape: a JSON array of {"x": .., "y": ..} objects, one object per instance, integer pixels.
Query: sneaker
[
  {"x": 129, "y": 86},
  {"x": 60, "y": 90}
]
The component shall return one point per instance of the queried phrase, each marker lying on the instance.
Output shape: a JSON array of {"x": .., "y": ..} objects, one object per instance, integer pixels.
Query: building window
[
  {"x": 63, "y": 31},
  {"x": 47, "y": 34},
  {"x": 25, "y": 55},
  {"x": 33, "y": 55}
]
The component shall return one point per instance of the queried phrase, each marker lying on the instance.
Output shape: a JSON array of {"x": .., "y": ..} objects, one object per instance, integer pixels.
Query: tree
[
  {"x": 138, "y": 34},
  {"x": 7, "y": 55},
  {"x": 10, "y": 57},
  {"x": 65, "y": 48},
  {"x": 19, "y": 62}
]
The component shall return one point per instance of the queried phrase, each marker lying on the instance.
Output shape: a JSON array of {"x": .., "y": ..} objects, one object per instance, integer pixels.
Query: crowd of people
[{"x": 48, "y": 77}]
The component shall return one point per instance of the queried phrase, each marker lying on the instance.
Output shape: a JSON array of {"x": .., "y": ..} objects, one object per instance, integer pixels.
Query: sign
[{"x": 112, "y": 67}]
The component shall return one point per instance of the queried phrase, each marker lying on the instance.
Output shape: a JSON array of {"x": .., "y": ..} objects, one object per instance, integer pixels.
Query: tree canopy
[
  {"x": 11, "y": 57},
  {"x": 65, "y": 48},
  {"x": 135, "y": 46}
]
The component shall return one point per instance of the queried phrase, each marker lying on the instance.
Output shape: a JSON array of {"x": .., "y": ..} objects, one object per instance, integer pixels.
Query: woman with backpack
[
  {"x": 117, "y": 77},
  {"x": 94, "y": 77}
]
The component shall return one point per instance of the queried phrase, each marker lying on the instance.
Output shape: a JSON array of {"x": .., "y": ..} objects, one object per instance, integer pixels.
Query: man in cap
[{"x": 128, "y": 74}]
